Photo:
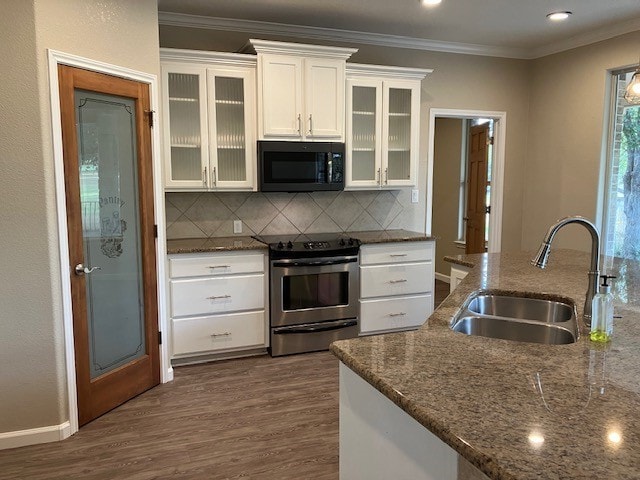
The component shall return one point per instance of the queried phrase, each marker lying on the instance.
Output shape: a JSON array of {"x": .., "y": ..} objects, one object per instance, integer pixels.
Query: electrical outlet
[
  {"x": 414, "y": 195},
  {"x": 237, "y": 226}
]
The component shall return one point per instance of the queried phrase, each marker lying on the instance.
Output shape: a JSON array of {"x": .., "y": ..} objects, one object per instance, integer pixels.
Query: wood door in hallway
[
  {"x": 109, "y": 198},
  {"x": 477, "y": 164}
]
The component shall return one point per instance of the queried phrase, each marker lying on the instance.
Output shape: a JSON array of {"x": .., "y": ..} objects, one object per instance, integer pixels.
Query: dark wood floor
[
  {"x": 252, "y": 418},
  {"x": 260, "y": 417}
]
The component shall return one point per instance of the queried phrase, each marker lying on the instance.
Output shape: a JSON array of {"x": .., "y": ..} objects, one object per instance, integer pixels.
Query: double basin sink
[{"x": 520, "y": 318}]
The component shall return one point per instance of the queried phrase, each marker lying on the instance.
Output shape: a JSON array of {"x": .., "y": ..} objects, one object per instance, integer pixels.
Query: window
[{"x": 621, "y": 227}]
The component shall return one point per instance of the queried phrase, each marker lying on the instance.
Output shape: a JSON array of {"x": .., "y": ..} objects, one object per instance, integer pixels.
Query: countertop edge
[{"x": 481, "y": 461}]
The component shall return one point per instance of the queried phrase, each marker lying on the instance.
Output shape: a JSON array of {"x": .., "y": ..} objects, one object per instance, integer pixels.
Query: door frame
[
  {"x": 497, "y": 173},
  {"x": 56, "y": 58}
]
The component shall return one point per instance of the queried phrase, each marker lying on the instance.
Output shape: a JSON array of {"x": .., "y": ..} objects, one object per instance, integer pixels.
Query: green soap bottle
[{"x": 602, "y": 312}]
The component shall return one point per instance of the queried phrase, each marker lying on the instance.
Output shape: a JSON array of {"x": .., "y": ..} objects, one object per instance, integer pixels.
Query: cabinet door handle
[
  {"x": 299, "y": 124},
  {"x": 402, "y": 280},
  {"x": 223, "y": 334},
  {"x": 386, "y": 176},
  {"x": 397, "y": 254},
  {"x": 378, "y": 179},
  {"x": 219, "y": 266},
  {"x": 217, "y": 297},
  {"x": 310, "y": 124},
  {"x": 204, "y": 176},
  {"x": 399, "y": 314},
  {"x": 215, "y": 177}
]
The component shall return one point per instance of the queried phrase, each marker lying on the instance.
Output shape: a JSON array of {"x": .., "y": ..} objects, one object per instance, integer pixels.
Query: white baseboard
[
  {"x": 33, "y": 436},
  {"x": 442, "y": 277}
]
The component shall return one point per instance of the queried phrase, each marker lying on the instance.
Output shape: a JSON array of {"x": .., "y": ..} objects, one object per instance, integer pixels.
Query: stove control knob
[
  {"x": 280, "y": 245},
  {"x": 342, "y": 244},
  {"x": 289, "y": 244},
  {"x": 351, "y": 242}
]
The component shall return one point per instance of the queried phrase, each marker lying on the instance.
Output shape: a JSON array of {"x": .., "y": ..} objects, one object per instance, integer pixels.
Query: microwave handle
[{"x": 329, "y": 168}]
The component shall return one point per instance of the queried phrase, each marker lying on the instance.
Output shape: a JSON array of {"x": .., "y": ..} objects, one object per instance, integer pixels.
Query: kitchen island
[{"x": 512, "y": 410}]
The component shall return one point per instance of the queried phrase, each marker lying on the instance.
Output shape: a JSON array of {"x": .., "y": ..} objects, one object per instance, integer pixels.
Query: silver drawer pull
[
  {"x": 397, "y": 254},
  {"x": 219, "y": 266},
  {"x": 402, "y": 280},
  {"x": 399, "y": 314},
  {"x": 224, "y": 334},
  {"x": 217, "y": 297}
]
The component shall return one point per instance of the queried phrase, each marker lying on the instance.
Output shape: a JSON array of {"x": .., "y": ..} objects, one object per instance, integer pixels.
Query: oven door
[{"x": 309, "y": 290}]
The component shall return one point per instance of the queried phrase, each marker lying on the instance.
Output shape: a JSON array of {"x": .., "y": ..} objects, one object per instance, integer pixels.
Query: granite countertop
[
  {"x": 520, "y": 410},
  {"x": 215, "y": 244}
]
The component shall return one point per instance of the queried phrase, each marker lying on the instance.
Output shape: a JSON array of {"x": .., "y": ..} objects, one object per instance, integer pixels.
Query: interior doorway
[{"x": 464, "y": 184}]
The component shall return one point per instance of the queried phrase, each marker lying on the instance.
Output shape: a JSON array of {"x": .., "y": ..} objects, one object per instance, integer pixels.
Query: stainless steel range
[{"x": 313, "y": 292}]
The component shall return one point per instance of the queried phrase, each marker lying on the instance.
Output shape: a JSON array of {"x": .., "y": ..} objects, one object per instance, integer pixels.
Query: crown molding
[
  {"x": 199, "y": 56},
  {"x": 331, "y": 34},
  {"x": 358, "y": 70},
  {"x": 594, "y": 36},
  {"x": 301, "y": 49},
  {"x": 397, "y": 41}
]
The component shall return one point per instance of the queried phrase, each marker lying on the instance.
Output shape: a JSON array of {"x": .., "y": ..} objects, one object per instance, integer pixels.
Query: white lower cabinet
[
  {"x": 221, "y": 332},
  {"x": 396, "y": 286},
  {"x": 218, "y": 303},
  {"x": 458, "y": 272}
]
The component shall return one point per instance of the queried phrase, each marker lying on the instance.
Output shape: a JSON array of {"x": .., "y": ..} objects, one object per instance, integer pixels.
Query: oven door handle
[
  {"x": 320, "y": 263},
  {"x": 314, "y": 327}
]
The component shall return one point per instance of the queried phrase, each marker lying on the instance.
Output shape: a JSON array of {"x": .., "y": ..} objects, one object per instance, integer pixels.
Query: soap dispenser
[{"x": 602, "y": 312}]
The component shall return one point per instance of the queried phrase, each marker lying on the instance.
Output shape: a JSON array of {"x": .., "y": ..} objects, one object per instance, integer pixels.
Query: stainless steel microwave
[{"x": 300, "y": 166}]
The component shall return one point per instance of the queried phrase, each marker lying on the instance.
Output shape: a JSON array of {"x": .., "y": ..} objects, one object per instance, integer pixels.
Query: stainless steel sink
[
  {"x": 548, "y": 311},
  {"x": 517, "y": 318}
]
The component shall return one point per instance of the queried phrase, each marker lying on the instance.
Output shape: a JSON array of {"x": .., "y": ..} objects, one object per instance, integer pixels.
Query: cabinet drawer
[
  {"x": 203, "y": 334},
  {"x": 396, "y": 252},
  {"x": 215, "y": 265},
  {"x": 217, "y": 295},
  {"x": 399, "y": 279},
  {"x": 394, "y": 313}
]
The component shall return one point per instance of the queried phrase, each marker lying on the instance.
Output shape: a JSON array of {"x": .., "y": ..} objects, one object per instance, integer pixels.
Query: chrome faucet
[{"x": 540, "y": 260}]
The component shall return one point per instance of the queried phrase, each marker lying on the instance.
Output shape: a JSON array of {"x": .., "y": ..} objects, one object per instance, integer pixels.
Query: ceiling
[{"x": 515, "y": 28}]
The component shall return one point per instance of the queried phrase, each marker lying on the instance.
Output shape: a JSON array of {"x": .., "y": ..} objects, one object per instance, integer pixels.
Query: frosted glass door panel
[
  {"x": 399, "y": 141},
  {"x": 184, "y": 126},
  {"x": 363, "y": 133},
  {"x": 110, "y": 228},
  {"x": 230, "y": 126}
]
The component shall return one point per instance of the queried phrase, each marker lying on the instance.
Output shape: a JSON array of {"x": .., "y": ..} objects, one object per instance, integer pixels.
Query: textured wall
[
  {"x": 567, "y": 131},
  {"x": 197, "y": 215},
  {"x": 446, "y": 170},
  {"x": 458, "y": 81},
  {"x": 120, "y": 32}
]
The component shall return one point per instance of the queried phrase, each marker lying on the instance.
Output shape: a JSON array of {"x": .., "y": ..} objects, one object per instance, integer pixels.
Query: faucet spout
[{"x": 541, "y": 258}]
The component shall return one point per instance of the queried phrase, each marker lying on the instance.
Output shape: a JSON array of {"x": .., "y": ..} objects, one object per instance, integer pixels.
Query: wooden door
[
  {"x": 109, "y": 195},
  {"x": 477, "y": 164}
]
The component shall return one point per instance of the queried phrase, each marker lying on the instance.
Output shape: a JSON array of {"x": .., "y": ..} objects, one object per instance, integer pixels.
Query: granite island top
[
  {"x": 216, "y": 244},
  {"x": 520, "y": 410}
]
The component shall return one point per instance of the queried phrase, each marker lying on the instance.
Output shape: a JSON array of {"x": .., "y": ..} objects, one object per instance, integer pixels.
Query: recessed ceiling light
[
  {"x": 558, "y": 16},
  {"x": 430, "y": 3}
]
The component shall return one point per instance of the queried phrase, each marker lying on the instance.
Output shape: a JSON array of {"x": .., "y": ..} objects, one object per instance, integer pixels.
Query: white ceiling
[{"x": 516, "y": 26}]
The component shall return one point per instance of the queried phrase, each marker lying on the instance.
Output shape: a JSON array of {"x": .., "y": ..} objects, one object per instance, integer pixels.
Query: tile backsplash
[{"x": 203, "y": 215}]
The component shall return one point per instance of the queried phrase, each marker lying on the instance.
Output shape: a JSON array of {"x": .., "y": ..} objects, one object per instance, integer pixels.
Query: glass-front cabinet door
[
  {"x": 364, "y": 127},
  {"x": 232, "y": 141},
  {"x": 186, "y": 147},
  {"x": 401, "y": 114}
]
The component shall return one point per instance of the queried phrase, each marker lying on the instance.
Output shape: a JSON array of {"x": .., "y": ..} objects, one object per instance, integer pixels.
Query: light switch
[
  {"x": 414, "y": 195},
  {"x": 237, "y": 226}
]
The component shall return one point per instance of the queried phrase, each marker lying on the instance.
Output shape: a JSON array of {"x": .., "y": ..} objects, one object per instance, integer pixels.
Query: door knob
[{"x": 81, "y": 269}]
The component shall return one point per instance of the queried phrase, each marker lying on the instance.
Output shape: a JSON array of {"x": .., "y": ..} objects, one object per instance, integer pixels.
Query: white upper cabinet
[
  {"x": 209, "y": 119},
  {"x": 383, "y": 123},
  {"x": 301, "y": 91}
]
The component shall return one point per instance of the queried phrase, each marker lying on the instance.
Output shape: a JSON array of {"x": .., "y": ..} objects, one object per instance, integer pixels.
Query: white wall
[{"x": 120, "y": 32}]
